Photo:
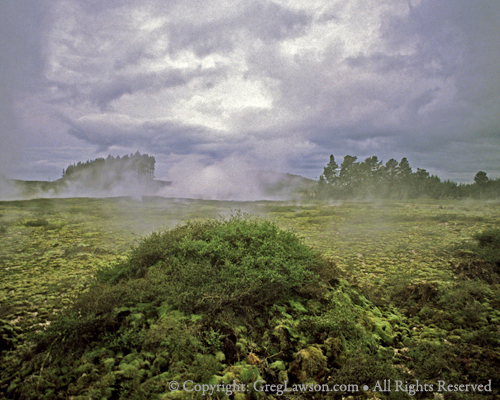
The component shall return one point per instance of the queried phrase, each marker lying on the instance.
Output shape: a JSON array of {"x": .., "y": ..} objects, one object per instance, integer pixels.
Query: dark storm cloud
[
  {"x": 271, "y": 82},
  {"x": 430, "y": 91},
  {"x": 458, "y": 42},
  {"x": 457, "y": 39},
  {"x": 164, "y": 136},
  {"x": 269, "y": 21},
  {"x": 21, "y": 32}
]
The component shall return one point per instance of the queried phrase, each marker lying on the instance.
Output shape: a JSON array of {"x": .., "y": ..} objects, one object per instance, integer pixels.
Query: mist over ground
[{"x": 226, "y": 180}]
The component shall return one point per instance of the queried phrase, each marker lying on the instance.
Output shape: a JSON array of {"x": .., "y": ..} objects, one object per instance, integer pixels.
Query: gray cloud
[
  {"x": 119, "y": 86},
  {"x": 263, "y": 20},
  {"x": 280, "y": 85},
  {"x": 21, "y": 66}
]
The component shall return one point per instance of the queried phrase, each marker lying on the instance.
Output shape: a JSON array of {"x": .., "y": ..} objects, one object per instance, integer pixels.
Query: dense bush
[
  {"x": 488, "y": 246},
  {"x": 481, "y": 258},
  {"x": 239, "y": 264}
]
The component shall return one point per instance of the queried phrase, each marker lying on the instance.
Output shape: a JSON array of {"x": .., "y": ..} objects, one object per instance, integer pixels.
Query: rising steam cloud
[{"x": 229, "y": 179}]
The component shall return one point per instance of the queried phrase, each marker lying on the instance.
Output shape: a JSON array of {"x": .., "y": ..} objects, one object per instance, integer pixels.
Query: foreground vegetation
[{"x": 368, "y": 292}]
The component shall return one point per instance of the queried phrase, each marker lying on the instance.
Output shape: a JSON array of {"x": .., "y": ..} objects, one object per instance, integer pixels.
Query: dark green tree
[
  {"x": 481, "y": 180},
  {"x": 368, "y": 177},
  {"x": 140, "y": 165},
  {"x": 331, "y": 172},
  {"x": 389, "y": 174},
  {"x": 403, "y": 176},
  {"x": 371, "y": 178},
  {"x": 348, "y": 175},
  {"x": 403, "y": 169}
]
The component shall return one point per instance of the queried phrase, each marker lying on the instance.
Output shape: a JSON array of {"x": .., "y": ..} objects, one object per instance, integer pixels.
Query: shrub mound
[
  {"x": 213, "y": 302},
  {"x": 480, "y": 259},
  {"x": 236, "y": 264}
]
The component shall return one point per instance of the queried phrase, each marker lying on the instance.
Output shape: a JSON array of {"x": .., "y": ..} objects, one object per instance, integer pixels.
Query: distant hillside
[{"x": 283, "y": 183}]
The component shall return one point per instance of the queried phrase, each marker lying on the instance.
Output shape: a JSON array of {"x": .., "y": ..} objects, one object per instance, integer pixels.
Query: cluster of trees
[
  {"x": 136, "y": 165},
  {"x": 371, "y": 178}
]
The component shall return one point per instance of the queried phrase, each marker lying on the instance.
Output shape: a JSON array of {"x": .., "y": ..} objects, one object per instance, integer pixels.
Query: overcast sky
[{"x": 269, "y": 85}]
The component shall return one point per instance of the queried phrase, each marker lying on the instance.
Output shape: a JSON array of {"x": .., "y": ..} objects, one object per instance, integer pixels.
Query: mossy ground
[{"x": 403, "y": 308}]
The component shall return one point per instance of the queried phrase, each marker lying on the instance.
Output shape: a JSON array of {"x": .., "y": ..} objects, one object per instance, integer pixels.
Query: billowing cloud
[{"x": 275, "y": 84}]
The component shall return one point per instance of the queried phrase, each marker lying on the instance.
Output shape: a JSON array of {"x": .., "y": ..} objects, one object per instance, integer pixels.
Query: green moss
[
  {"x": 309, "y": 364},
  {"x": 401, "y": 300}
]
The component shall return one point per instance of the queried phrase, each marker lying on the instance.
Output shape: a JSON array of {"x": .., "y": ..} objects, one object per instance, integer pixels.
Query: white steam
[
  {"x": 9, "y": 189},
  {"x": 229, "y": 179}
]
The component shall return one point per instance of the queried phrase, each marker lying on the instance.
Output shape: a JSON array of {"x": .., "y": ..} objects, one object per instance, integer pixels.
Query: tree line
[
  {"x": 373, "y": 179},
  {"x": 138, "y": 165}
]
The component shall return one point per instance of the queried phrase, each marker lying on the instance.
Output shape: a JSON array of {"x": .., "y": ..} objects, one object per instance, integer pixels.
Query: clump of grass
[
  {"x": 431, "y": 361},
  {"x": 410, "y": 297},
  {"x": 36, "y": 222},
  {"x": 488, "y": 246},
  {"x": 8, "y": 335},
  {"x": 480, "y": 259},
  {"x": 52, "y": 227},
  {"x": 6, "y": 310}
]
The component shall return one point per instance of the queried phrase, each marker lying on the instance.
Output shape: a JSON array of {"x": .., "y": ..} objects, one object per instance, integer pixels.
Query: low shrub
[
  {"x": 480, "y": 259},
  {"x": 36, "y": 222},
  {"x": 488, "y": 246},
  {"x": 237, "y": 264}
]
